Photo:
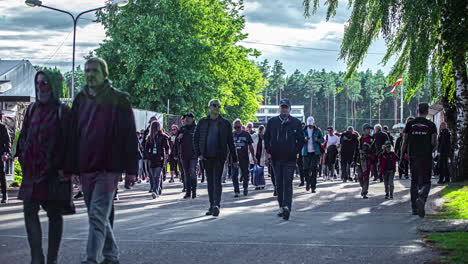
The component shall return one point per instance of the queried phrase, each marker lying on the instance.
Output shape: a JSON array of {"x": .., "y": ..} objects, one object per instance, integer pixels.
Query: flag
[{"x": 398, "y": 82}]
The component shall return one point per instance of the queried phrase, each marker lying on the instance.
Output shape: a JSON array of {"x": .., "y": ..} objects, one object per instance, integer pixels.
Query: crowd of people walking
[{"x": 93, "y": 144}]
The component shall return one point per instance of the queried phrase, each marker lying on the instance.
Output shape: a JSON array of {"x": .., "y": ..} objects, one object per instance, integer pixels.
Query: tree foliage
[{"x": 184, "y": 51}]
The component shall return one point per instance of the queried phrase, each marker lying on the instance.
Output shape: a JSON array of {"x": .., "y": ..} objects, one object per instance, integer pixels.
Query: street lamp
[{"x": 34, "y": 3}]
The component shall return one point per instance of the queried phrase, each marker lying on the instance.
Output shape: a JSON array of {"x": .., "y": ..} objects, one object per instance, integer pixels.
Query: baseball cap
[
  {"x": 190, "y": 114},
  {"x": 388, "y": 143},
  {"x": 284, "y": 102},
  {"x": 365, "y": 126}
]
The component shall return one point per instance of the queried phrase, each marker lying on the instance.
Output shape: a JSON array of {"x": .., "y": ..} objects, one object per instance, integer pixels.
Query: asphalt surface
[{"x": 334, "y": 225}]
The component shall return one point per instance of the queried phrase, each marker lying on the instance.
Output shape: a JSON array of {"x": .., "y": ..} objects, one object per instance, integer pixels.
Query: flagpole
[{"x": 401, "y": 103}]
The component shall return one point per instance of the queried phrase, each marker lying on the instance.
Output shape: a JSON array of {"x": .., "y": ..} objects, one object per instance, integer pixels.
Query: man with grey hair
[
  {"x": 103, "y": 146},
  {"x": 212, "y": 139}
]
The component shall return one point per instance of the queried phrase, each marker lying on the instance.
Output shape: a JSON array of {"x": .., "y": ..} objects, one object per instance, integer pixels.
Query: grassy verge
[
  {"x": 453, "y": 244},
  {"x": 456, "y": 202}
]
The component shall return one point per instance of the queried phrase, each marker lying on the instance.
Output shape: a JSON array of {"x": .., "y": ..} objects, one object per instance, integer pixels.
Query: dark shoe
[
  {"x": 280, "y": 213},
  {"x": 381, "y": 180},
  {"x": 52, "y": 260},
  {"x": 194, "y": 195},
  {"x": 307, "y": 188},
  {"x": 420, "y": 204},
  {"x": 415, "y": 212},
  {"x": 224, "y": 181},
  {"x": 301, "y": 184},
  {"x": 183, "y": 190},
  {"x": 406, "y": 177},
  {"x": 391, "y": 197},
  {"x": 116, "y": 197},
  {"x": 275, "y": 193},
  {"x": 386, "y": 197},
  {"x": 286, "y": 213},
  {"x": 365, "y": 197},
  {"x": 4, "y": 198},
  {"x": 78, "y": 195},
  {"x": 440, "y": 182},
  {"x": 246, "y": 192},
  {"x": 375, "y": 179},
  {"x": 215, "y": 211},
  {"x": 187, "y": 196},
  {"x": 106, "y": 261},
  {"x": 127, "y": 187},
  {"x": 209, "y": 212},
  {"x": 150, "y": 191},
  {"x": 313, "y": 190},
  {"x": 236, "y": 195}
]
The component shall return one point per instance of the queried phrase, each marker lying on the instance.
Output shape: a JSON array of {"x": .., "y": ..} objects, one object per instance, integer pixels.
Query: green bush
[{"x": 18, "y": 176}]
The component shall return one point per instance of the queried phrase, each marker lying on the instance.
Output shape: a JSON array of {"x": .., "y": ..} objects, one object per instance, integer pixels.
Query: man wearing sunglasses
[
  {"x": 212, "y": 139},
  {"x": 284, "y": 140}
]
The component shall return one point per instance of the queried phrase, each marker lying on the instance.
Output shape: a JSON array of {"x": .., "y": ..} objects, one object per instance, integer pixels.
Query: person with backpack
[
  {"x": 41, "y": 151},
  {"x": 387, "y": 161},
  {"x": 365, "y": 158},
  {"x": 311, "y": 153}
]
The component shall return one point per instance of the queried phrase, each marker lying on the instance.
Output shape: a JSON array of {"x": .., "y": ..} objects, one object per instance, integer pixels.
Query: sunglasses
[
  {"x": 237, "y": 127},
  {"x": 174, "y": 129},
  {"x": 216, "y": 105}
]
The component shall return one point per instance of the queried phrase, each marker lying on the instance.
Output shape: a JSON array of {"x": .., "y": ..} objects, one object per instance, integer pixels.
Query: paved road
[{"x": 332, "y": 226}]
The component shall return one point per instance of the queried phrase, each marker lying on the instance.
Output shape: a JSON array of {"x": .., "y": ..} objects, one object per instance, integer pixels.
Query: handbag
[{"x": 59, "y": 189}]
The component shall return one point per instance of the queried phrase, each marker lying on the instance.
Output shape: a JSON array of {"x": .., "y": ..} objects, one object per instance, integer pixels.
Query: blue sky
[{"x": 45, "y": 37}]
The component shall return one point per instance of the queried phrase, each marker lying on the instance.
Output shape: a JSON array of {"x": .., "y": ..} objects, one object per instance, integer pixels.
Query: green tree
[
  {"x": 423, "y": 35},
  {"x": 79, "y": 79},
  {"x": 277, "y": 81},
  {"x": 184, "y": 51}
]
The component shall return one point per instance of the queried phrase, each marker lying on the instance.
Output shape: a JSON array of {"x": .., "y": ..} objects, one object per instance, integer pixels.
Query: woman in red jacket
[{"x": 388, "y": 168}]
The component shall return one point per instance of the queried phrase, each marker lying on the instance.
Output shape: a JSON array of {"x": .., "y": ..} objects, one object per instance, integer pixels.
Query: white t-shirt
[
  {"x": 332, "y": 140},
  {"x": 310, "y": 142}
]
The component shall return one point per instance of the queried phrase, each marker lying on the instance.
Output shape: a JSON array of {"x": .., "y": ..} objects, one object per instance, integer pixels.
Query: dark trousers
[
  {"x": 388, "y": 178},
  {"x": 403, "y": 168},
  {"x": 444, "y": 169},
  {"x": 214, "y": 173},
  {"x": 3, "y": 184},
  {"x": 311, "y": 162},
  {"x": 202, "y": 170},
  {"x": 284, "y": 173},
  {"x": 346, "y": 168},
  {"x": 421, "y": 168},
  {"x": 271, "y": 172},
  {"x": 190, "y": 172},
  {"x": 300, "y": 168},
  {"x": 244, "y": 169},
  {"x": 33, "y": 229}
]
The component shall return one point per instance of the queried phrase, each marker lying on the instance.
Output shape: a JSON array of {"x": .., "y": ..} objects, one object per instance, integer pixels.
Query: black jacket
[
  {"x": 4, "y": 140},
  {"x": 184, "y": 147},
  {"x": 284, "y": 140},
  {"x": 225, "y": 138},
  {"x": 444, "y": 147},
  {"x": 162, "y": 146},
  {"x": 121, "y": 151}
]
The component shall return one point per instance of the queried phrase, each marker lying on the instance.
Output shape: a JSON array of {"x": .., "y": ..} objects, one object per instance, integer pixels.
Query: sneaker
[
  {"x": 301, "y": 184},
  {"x": 187, "y": 196},
  {"x": 236, "y": 195},
  {"x": 154, "y": 195},
  {"x": 127, "y": 187},
  {"x": 194, "y": 195},
  {"x": 365, "y": 197},
  {"x": 150, "y": 191},
  {"x": 406, "y": 177},
  {"x": 307, "y": 188},
  {"x": 246, "y": 192},
  {"x": 313, "y": 190},
  {"x": 286, "y": 213},
  {"x": 386, "y": 197},
  {"x": 420, "y": 204},
  {"x": 280, "y": 213},
  {"x": 4, "y": 199},
  {"x": 78, "y": 195},
  {"x": 215, "y": 211},
  {"x": 116, "y": 197},
  {"x": 391, "y": 197}
]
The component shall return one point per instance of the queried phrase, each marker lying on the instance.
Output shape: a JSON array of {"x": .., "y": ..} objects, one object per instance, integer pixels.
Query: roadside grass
[{"x": 454, "y": 246}]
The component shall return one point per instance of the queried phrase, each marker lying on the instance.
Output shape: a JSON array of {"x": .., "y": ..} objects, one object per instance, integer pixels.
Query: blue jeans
[
  {"x": 99, "y": 189},
  {"x": 284, "y": 173},
  {"x": 155, "y": 178},
  {"x": 244, "y": 168}
]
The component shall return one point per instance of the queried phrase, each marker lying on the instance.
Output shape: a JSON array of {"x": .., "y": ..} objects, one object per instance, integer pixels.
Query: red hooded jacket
[{"x": 383, "y": 160}]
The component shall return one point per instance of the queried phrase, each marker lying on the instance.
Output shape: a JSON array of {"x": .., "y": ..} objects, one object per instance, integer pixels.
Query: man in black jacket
[
  {"x": 104, "y": 145},
  {"x": 212, "y": 138},
  {"x": 4, "y": 151},
  {"x": 189, "y": 159},
  {"x": 444, "y": 149},
  {"x": 284, "y": 140}
]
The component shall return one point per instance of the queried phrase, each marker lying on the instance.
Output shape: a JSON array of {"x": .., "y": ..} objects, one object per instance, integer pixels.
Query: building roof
[{"x": 20, "y": 74}]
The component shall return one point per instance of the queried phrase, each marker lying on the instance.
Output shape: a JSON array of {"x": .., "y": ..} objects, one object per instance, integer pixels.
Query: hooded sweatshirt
[{"x": 42, "y": 141}]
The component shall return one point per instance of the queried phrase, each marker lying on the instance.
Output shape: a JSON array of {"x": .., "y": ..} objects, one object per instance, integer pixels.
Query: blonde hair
[
  {"x": 235, "y": 121},
  {"x": 214, "y": 101}
]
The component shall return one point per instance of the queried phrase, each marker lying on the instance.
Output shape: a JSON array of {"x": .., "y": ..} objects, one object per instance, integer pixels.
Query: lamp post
[{"x": 34, "y": 3}]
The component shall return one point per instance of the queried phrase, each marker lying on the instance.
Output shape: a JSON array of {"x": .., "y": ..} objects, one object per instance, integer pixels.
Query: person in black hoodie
[
  {"x": 444, "y": 148},
  {"x": 212, "y": 138},
  {"x": 284, "y": 140},
  {"x": 187, "y": 154},
  {"x": 348, "y": 142},
  {"x": 103, "y": 146}
]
